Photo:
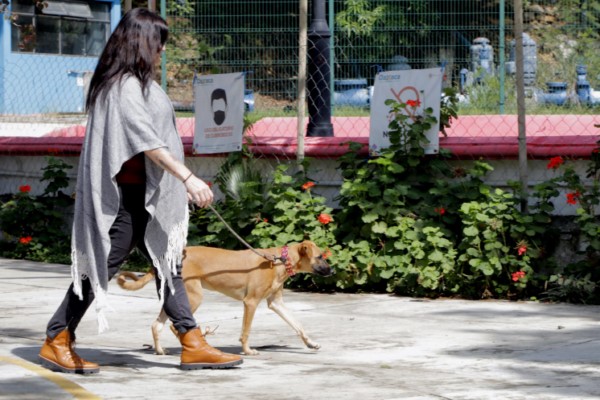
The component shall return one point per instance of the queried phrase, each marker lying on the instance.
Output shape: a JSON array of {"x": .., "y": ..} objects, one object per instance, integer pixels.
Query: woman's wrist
[{"x": 188, "y": 177}]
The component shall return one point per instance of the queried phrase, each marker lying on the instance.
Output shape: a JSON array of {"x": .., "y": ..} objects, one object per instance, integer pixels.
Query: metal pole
[
  {"x": 518, "y": 30},
  {"x": 302, "y": 54},
  {"x": 501, "y": 51},
  {"x": 319, "y": 74},
  {"x": 331, "y": 16}
]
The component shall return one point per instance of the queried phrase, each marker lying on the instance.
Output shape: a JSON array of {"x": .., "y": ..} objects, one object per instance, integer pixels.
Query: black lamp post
[{"x": 319, "y": 74}]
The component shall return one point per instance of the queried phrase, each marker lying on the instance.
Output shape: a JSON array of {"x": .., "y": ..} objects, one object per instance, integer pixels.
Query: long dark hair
[{"x": 131, "y": 49}]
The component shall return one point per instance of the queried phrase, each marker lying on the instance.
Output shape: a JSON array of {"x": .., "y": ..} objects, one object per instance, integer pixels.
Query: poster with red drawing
[{"x": 419, "y": 89}]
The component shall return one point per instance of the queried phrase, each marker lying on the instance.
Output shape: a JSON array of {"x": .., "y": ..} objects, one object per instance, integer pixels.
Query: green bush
[{"x": 35, "y": 227}]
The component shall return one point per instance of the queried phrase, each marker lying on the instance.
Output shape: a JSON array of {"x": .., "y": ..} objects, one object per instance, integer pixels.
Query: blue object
[
  {"x": 556, "y": 94},
  {"x": 352, "y": 92},
  {"x": 248, "y": 100}
]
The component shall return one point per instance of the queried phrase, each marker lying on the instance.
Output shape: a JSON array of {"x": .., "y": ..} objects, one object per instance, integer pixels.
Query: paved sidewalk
[{"x": 373, "y": 347}]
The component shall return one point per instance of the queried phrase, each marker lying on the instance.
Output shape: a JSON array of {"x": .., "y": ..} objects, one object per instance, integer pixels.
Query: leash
[{"x": 271, "y": 258}]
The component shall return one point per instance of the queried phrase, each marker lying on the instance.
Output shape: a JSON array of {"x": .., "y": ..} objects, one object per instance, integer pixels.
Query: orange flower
[
  {"x": 325, "y": 218},
  {"x": 308, "y": 185},
  {"x": 25, "y": 240},
  {"x": 555, "y": 162},
  {"x": 326, "y": 254},
  {"x": 265, "y": 220},
  {"x": 522, "y": 249},
  {"x": 573, "y": 197},
  {"x": 25, "y": 189},
  {"x": 413, "y": 103},
  {"x": 518, "y": 275}
]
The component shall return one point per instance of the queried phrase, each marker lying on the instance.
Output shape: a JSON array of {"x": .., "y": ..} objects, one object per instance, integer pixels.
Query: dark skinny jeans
[{"x": 126, "y": 233}]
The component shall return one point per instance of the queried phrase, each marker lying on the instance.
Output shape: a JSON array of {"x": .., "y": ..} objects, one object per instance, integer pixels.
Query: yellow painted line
[{"x": 72, "y": 388}]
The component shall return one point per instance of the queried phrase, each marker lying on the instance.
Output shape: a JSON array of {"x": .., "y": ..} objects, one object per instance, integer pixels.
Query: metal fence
[{"x": 472, "y": 40}]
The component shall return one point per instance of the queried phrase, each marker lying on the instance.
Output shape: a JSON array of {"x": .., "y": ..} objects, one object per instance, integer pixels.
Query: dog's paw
[
  {"x": 313, "y": 345},
  {"x": 161, "y": 352},
  {"x": 250, "y": 352}
]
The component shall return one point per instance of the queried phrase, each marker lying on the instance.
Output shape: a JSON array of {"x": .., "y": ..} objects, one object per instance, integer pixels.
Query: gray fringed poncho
[{"x": 123, "y": 125}]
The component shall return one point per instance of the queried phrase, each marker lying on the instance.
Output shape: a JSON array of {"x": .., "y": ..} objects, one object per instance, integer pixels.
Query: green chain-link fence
[{"x": 472, "y": 40}]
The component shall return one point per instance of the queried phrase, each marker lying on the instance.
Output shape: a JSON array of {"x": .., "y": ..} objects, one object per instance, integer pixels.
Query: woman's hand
[{"x": 198, "y": 191}]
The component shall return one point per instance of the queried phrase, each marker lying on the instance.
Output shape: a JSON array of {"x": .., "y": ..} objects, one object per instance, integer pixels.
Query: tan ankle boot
[
  {"x": 58, "y": 355},
  {"x": 197, "y": 354}
]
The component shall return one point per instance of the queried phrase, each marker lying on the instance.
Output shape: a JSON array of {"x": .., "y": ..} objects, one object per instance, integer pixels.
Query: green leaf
[
  {"x": 379, "y": 227},
  {"x": 370, "y": 217},
  {"x": 471, "y": 231}
]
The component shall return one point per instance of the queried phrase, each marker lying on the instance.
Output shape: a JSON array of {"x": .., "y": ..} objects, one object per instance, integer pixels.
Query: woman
[{"x": 132, "y": 191}]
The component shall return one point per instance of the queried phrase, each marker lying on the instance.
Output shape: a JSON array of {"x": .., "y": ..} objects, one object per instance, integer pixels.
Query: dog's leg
[
  {"x": 249, "y": 310},
  {"x": 275, "y": 303},
  {"x": 157, "y": 327}
]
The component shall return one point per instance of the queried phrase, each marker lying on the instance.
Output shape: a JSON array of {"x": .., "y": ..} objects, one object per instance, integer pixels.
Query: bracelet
[{"x": 188, "y": 177}]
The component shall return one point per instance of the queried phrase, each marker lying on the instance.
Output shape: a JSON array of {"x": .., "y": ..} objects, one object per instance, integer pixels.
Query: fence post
[
  {"x": 501, "y": 52},
  {"x": 520, "y": 82},
  {"x": 302, "y": 40}
]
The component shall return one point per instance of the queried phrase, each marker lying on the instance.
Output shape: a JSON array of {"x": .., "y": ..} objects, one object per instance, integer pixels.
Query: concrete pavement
[{"x": 372, "y": 347}]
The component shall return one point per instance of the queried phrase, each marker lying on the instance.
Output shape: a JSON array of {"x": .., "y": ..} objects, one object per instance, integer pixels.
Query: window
[{"x": 59, "y": 27}]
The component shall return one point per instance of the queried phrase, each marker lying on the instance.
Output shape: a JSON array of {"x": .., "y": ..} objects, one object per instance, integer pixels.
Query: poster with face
[
  {"x": 419, "y": 89},
  {"x": 219, "y": 112}
]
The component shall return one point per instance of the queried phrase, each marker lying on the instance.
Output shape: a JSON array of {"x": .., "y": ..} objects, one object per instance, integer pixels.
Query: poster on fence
[
  {"x": 219, "y": 112},
  {"x": 419, "y": 89}
]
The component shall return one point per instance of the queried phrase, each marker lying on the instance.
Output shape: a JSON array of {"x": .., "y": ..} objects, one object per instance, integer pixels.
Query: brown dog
[{"x": 242, "y": 275}]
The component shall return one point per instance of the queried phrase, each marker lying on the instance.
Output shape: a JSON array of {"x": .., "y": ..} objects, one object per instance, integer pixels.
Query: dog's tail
[{"x": 130, "y": 281}]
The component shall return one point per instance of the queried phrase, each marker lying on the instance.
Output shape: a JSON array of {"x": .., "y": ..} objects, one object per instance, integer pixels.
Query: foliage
[
  {"x": 428, "y": 228},
  {"x": 293, "y": 213},
  {"x": 579, "y": 280},
  {"x": 33, "y": 227},
  {"x": 245, "y": 193},
  {"x": 358, "y": 18}
]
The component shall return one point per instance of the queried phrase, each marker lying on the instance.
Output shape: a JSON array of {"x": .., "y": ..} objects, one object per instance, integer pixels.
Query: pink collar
[{"x": 286, "y": 261}]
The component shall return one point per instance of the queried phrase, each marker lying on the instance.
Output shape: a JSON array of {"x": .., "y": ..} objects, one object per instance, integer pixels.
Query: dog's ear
[{"x": 303, "y": 250}]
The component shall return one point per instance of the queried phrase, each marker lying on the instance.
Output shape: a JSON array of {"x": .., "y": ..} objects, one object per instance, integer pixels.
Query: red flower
[
  {"x": 440, "y": 210},
  {"x": 326, "y": 254},
  {"x": 518, "y": 275},
  {"x": 265, "y": 220},
  {"x": 25, "y": 240},
  {"x": 209, "y": 184},
  {"x": 308, "y": 185},
  {"x": 413, "y": 103},
  {"x": 522, "y": 249},
  {"x": 25, "y": 189},
  {"x": 555, "y": 162},
  {"x": 325, "y": 218},
  {"x": 573, "y": 197}
]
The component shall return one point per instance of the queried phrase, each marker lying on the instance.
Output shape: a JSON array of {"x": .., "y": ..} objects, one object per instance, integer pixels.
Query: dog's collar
[{"x": 287, "y": 262}]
